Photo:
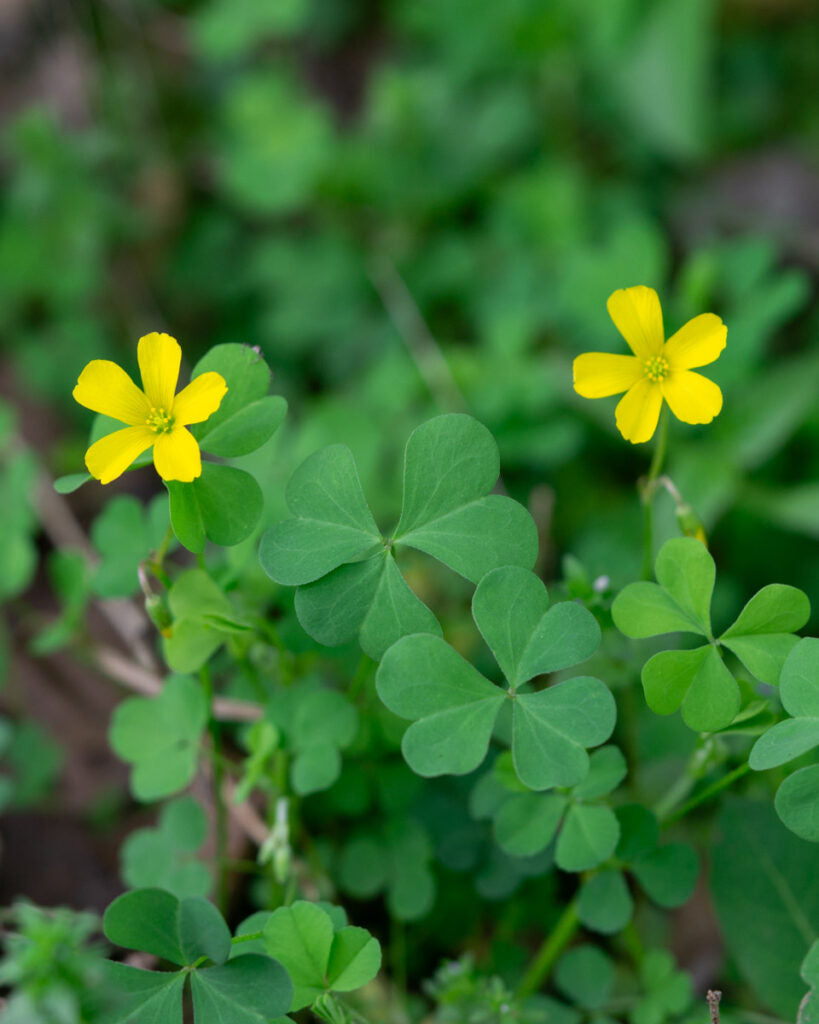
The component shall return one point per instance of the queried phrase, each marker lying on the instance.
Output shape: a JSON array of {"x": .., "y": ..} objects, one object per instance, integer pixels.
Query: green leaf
[
  {"x": 526, "y": 823},
  {"x": 799, "y": 691},
  {"x": 300, "y": 937},
  {"x": 644, "y": 609},
  {"x": 123, "y": 534},
  {"x": 369, "y": 597},
  {"x": 142, "y": 997},
  {"x": 552, "y": 728},
  {"x": 797, "y": 803},
  {"x": 315, "y": 768},
  {"x": 332, "y": 522},
  {"x": 247, "y": 377},
  {"x": 774, "y": 609},
  {"x": 686, "y": 570},
  {"x": 248, "y": 990},
  {"x": 763, "y": 884},
  {"x": 196, "y": 603},
  {"x": 697, "y": 681},
  {"x": 355, "y": 959},
  {"x": 809, "y": 1007},
  {"x": 224, "y": 505},
  {"x": 202, "y": 931},
  {"x": 764, "y": 654},
  {"x": 585, "y": 975},
  {"x": 477, "y": 537},
  {"x": 668, "y": 874},
  {"x": 605, "y": 904},
  {"x": 161, "y": 857},
  {"x": 160, "y": 737},
  {"x": 71, "y": 482},
  {"x": 607, "y": 769},
  {"x": 449, "y": 461},
  {"x": 145, "y": 919},
  {"x": 156, "y": 922},
  {"x": 452, "y": 706},
  {"x": 588, "y": 837},
  {"x": 639, "y": 832},
  {"x": 450, "y": 464},
  {"x": 511, "y": 609},
  {"x": 248, "y": 429}
]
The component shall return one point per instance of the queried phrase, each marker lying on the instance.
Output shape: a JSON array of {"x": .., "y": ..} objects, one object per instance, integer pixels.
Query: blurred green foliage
[{"x": 414, "y": 207}]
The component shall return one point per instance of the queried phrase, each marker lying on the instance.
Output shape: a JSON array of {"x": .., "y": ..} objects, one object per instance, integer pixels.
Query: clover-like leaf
[
  {"x": 247, "y": 416},
  {"x": 452, "y": 706},
  {"x": 163, "y": 857},
  {"x": 203, "y": 618},
  {"x": 588, "y": 837},
  {"x": 667, "y": 873},
  {"x": 667, "y": 991},
  {"x": 123, "y": 534},
  {"x": 151, "y": 997},
  {"x": 331, "y": 523},
  {"x": 797, "y": 803},
  {"x": 318, "y": 956},
  {"x": 586, "y": 975},
  {"x": 761, "y": 637},
  {"x": 250, "y": 989},
  {"x": 370, "y": 598},
  {"x": 160, "y": 737},
  {"x": 332, "y": 550},
  {"x": 154, "y": 921},
  {"x": 605, "y": 904},
  {"x": 680, "y": 603},
  {"x": 698, "y": 682},
  {"x": 552, "y": 728},
  {"x": 398, "y": 860},
  {"x": 809, "y": 1007},
  {"x": 799, "y": 691},
  {"x": 527, "y": 637},
  {"x": 222, "y": 505}
]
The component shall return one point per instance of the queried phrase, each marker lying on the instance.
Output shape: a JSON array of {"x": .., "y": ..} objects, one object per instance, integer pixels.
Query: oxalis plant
[{"x": 405, "y": 775}]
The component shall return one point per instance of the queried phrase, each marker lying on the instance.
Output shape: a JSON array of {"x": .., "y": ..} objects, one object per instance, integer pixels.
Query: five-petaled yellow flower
[
  {"x": 658, "y": 369},
  {"x": 156, "y": 416}
]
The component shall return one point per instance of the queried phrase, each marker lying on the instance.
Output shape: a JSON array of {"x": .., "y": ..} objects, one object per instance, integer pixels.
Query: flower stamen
[
  {"x": 656, "y": 368},
  {"x": 160, "y": 421}
]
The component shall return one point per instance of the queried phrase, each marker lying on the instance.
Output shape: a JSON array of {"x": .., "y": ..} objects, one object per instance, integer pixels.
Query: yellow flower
[
  {"x": 156, "y": 416},
  {"x": 658, "y": 369}
]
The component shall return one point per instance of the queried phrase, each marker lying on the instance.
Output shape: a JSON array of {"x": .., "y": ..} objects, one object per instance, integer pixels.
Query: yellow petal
[
  {"x": 638, "y": 317},
  {"x": 109, "y": 457},
  {"x": 698, "y": 343},
  {"x": 176, "y": 456},
  {"x": 692, "y": 397},
  {"x": 159, "y": 356},
  {"x": 200, "y": 399},
  {"x": 105, "y": 387},
  {"x": 638, "y": 410},
  {"x": 599, "y": 374}
]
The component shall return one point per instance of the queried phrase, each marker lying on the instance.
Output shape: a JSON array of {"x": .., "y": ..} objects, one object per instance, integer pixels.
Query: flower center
[
  {"x": 160, "y": 421},
  {"x": 656, "y": 368}
]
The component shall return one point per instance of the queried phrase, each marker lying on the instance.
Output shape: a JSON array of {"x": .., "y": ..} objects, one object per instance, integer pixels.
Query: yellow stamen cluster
[
  {"x": 656, "y": 368},
  {"x": 159, "y": 421}
]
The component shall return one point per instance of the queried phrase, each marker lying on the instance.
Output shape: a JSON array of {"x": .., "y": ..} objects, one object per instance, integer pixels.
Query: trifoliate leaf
[{"x": 799, "y": 691}]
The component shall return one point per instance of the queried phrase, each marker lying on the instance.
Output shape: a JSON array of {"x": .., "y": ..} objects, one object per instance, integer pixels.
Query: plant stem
[
  {"x": 707, "y": 793},
  {"x": 550, "y": 950},
  {"x": 218, "y": 797},
  {"x": 695, "y": 768},
  {"x": 647, "y": 490}
]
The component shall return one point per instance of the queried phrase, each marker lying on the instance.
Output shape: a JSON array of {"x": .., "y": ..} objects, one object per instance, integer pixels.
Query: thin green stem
[
  {"x": 696, "y": 766},
  {"x": 218, "y": 797},
  {"x": 708, "y": 793},
  {"x": 648, "y": 488},
  {"x": 550, "y": 950},
  {"x": 250, "y": 937}
]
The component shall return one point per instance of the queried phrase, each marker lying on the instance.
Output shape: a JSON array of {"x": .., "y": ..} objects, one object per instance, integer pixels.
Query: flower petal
[
  {"x": 638, "y": 317},
  {"x": 200, "y": 399},
  {"x": 159, "y": 356},
  {"x": 176, "y": 456},
  {"x": 638, "y": 410},
  {"x": 692, "y": 397},
  {"x": 105, "y": 387},
  {"x": 109, "y": 457},
  {"x": 599, "y": 374},
  {"x": 697, "y": 343}
]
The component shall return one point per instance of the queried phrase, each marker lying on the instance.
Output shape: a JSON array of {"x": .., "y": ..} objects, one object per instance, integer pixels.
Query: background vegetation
[{"x": 410, "y": 208}]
